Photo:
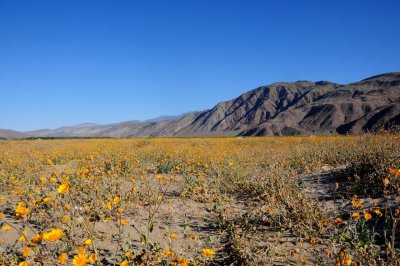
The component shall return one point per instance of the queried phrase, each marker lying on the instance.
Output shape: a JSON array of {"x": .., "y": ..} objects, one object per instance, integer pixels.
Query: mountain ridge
[{"x": 281, "y": 108}]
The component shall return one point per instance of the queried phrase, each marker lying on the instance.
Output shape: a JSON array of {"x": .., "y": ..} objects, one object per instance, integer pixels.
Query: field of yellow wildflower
[{"x": 312, "y": 200}]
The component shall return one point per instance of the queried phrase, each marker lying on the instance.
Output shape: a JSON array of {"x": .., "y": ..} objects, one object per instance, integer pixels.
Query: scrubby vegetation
[{"x": 201, "y": 201}]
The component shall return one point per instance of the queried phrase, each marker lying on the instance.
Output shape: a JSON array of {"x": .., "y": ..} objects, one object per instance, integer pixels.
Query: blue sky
[{"x": 70, "y": 62}]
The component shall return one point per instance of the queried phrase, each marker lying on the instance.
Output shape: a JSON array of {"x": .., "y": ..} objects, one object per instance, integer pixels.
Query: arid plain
[{"x": 312, "y": 200}]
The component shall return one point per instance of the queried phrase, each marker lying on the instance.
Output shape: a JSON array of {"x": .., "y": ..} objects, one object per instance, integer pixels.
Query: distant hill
[
  {"x": 282, "y": 108},
  {"x": 12, "y": 134}
]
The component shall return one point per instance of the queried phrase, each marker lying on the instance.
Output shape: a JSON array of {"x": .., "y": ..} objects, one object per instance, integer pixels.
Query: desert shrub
[{"x": 370, "y": 166}]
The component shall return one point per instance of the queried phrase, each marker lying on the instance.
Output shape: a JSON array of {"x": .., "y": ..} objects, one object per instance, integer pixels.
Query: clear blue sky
[{"x": 69, "y": 62}]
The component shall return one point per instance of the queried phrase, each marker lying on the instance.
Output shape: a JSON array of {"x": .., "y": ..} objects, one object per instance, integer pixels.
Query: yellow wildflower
[
  {"x": 356, "y": 215},
  {"x": 129, "y": 255},
  {"x": 166, "y": 253},
  {"x": 53, "y": 235},
  {"x": 80, "y": 260},
  {"x": 182, "y": 261},
  {"x": 92, "y": 258},
  {"x": 46, "y": 199},
  {"x": 339, "y": 220},
  {"x": 63, "y": 188},
  {"x": 357, "y": 204},
  {"x": 6, "y": 228},
  {"x": 116, "y": 200},
  {"x": 21, "y": 209},
  {"x": 347, "y": 260},
  {"x": 207, "y": 252}
]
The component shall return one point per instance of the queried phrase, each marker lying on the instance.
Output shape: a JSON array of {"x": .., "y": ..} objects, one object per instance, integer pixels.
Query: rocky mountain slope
[{"x": 282, "y": 108}]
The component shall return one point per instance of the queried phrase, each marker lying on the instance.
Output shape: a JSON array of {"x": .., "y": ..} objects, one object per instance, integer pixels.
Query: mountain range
[{"x": 281, "y": 108}]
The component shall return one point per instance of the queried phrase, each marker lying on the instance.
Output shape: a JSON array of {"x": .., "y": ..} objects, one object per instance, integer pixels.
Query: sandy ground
[{"x": 195, "y": 225}]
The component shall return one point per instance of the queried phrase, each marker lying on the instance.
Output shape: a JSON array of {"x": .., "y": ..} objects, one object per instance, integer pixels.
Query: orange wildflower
[
  {"x": 367, "y": 216},
  {"x": 62, "y": 258},
  {"x": 26, "y": 251},
  {"x": 37, "y": 239},
  {"x": 395, "y": 172}
]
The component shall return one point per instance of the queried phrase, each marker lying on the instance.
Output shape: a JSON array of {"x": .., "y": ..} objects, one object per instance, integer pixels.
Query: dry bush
[{"x": 369, "y": 166}]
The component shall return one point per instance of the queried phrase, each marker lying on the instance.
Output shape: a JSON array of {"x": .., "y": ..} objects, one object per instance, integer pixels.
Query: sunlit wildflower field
[{"x": 312, "y": 200}]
